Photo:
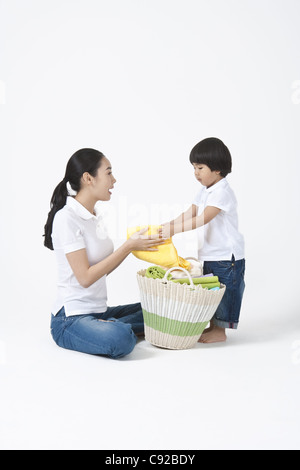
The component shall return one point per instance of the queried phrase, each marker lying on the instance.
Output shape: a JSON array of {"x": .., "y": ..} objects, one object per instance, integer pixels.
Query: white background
[{"x": 143, "y": 81}]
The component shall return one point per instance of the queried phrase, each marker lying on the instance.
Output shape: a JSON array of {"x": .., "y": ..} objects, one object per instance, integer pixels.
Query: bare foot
[
  {"x": 207, "y": 330},
  {"x": 214, "y": 335}
]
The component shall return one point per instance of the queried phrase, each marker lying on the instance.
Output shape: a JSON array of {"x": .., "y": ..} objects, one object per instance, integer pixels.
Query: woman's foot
[{"x": 213, "y": 334}]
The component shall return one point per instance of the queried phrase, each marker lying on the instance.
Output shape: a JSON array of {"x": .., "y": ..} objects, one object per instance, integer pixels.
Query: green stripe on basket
[{"x": 173, "y": 327}]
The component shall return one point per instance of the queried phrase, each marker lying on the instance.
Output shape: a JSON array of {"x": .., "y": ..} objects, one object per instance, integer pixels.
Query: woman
[{"x": 81, "y": 320}]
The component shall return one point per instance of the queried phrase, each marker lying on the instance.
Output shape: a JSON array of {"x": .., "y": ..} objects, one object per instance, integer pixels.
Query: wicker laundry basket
[{"x": 176, "y": 315}]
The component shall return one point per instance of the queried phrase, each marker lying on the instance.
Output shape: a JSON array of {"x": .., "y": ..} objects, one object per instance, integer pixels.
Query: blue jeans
[
  {"x": 115, "y": 337},
  {"x": 232, "y": 274}
]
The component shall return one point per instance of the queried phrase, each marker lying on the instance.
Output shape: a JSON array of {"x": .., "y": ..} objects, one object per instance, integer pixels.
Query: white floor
[{"x": 239, "y": 395}]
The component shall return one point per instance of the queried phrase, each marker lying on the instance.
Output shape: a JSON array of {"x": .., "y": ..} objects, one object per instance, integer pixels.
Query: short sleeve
[
  {"x": 197, "y": 199},
  {"x": 221, "y": 199},
  {"x": 67, "y": 234}
]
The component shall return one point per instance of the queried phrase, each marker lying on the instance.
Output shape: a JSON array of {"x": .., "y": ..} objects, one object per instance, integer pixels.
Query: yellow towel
[{"x": 166, "y": 255}]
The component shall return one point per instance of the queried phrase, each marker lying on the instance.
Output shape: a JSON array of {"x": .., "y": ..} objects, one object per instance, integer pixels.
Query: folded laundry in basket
[
  {"x": 206, "y": 282},
  {"x": 211, "y": 286},
  {"x": 198, "y": 280},
  {"x": 166, "y": 255},
  {"x": 156, "y": 272}
]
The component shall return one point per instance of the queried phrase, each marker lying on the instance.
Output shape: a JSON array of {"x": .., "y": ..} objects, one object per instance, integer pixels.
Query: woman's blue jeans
[{"x": 112, "y": 334}]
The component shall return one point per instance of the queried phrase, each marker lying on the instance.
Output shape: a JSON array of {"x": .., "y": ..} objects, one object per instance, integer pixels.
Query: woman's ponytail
[
  {"x": 85, "y": 160},
  {"x": 58, "y": 201}
]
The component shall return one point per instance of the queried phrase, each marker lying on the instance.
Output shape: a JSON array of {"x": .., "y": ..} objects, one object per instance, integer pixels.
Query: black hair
[
  {"x": 85, "y": 160},
  {"x": 213, "y": 153}
]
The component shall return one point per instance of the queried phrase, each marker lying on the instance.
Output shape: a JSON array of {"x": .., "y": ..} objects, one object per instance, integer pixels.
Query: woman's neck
[{"x": 86, "y": 201}]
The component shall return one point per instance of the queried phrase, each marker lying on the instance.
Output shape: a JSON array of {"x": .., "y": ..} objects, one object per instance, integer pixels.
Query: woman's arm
[
  {"x": 185, "y": 224},
  {"x": 87, "y": 275}
]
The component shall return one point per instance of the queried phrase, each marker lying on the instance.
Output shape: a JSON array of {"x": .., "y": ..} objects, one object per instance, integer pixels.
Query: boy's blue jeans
[
  {"x": 232, "y": 274},
  {"x": 115, "y": 337}
]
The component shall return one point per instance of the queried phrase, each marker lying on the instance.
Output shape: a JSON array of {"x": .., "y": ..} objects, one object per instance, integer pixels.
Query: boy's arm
[
  {"x": 180, "y": 224},
  {"x": 189, "y": 214}
]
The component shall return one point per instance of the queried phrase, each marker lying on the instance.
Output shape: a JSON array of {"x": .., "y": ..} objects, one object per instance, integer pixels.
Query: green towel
[
  {"x": 155, "y": 272},
  {"x": 198, "y": 280},
  {"x": 209, "y": 285}
]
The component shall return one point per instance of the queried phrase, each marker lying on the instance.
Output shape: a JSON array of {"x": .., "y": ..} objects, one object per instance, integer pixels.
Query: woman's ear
[{"x": 87, "y": 178}]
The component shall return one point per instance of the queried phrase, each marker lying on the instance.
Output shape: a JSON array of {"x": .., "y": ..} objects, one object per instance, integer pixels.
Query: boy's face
[{"x": 205, "y": 176}]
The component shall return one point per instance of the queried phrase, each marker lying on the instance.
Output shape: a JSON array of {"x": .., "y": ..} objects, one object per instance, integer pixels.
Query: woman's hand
[
  {"x": 88, "y": 275},
  {"x": 140, "y": 242}
]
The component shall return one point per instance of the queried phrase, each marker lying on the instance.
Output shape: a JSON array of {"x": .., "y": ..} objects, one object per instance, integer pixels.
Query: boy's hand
[{"x": 166, "y": 231}]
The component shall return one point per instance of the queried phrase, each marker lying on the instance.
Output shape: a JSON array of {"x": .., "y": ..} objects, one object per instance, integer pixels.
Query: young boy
[{"x": 221, "y": 246}]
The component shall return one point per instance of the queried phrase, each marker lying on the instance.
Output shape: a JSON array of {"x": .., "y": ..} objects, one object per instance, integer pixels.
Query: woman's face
[{"x": 104, "y": 182}]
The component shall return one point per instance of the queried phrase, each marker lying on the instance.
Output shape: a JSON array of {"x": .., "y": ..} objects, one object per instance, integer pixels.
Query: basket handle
[
  {"x": 181, "y": 269},
  {"x": 194, "y": 259}
]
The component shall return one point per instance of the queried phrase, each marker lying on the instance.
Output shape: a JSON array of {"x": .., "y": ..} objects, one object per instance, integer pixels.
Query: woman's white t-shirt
[
  {"x": 75, "y": 228},
  {"x": 220, "y": 238}
]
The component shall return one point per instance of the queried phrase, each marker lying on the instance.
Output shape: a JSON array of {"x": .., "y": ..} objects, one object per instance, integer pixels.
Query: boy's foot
[
  {"x": 207, "y": 330},
  {"x": 213, "y": 335}
]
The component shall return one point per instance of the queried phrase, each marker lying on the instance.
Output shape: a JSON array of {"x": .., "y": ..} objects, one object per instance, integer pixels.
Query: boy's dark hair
[{"x": 213, "y": 153}]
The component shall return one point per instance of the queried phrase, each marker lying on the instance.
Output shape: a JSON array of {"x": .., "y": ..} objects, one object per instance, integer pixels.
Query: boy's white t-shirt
[
  {"x": 220, "y": 238},
  {"x": 75, "y": 228}
]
